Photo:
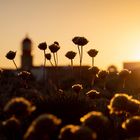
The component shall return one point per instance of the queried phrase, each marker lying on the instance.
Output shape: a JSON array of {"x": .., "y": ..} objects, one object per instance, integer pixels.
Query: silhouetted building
[
  {"x": 131, "y": 65},
  {"x": 26, "y": 57}
]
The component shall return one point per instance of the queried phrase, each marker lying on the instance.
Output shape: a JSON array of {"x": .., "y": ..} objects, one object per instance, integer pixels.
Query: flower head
[
  {"x": 123, "y": 103},
  {"x": 25, "y": 75},
  {"x": 10, "y": 55},
  {"x": 19, "y": 107},
  {"x": 81, "y": 41},
  {"x": 132, "y": 126},
  {"x": 42, "y": 127},
  {"x": 48, "y": 56},
  {"x": 124, "y": 73},
  {"x": 70, "y": 54},
  {"x": 102, "y": 74},
  {"x": 94, "y": 70},
  {"x": 77, "y": 87},
  {"x": 93, "y": 94},
  {"x": 92, "y": 52},
  {"x": 42, "y": 46},
  {"x": 54, "y": 47}
]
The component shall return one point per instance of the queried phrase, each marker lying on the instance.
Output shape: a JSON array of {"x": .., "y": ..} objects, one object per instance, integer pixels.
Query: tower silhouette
[{"x": 26, "y": 57}]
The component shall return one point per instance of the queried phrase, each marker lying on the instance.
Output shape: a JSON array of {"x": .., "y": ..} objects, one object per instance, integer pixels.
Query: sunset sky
[{"x": 111, "y": 26}]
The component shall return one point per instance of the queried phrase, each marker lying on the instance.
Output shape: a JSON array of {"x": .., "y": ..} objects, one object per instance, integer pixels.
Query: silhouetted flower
[
  {"x": 48, "y": 56},
  {"x": 94, "y": 70},
  {"x": 93, "y": 94},
  {"x": 123, "y": 103},
  {"x": 42, "y": 127},
  {"x": 102, "y": 74},
  {"x": 92, "y": 52},
  {"x": 132, "y": 126},
  {"x": 124, "y": 73},
  {"x": 81, "y": 41},
  {"x": 42, "y": 46},
  {"x": 10, "y": 55},
  {"x": 24, "y": 75},
  {"x": 77, "y": 88},
  {"x": 20, "y": 107},
  {"x": 54, "y": 48},
  {"x": 55, "y": 42},
  {"x": 70, "y": 54}
]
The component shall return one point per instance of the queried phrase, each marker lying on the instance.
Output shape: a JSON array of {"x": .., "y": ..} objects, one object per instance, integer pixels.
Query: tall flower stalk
[
  {"x": 71, "y": 55},
  {"x": 54, "y": 49},
  {"x": 43, "y": 46},
  {"x": 92, "y": 53},
  {"x": 80, "y": 42},
  {"x": 11, "y": 55}
]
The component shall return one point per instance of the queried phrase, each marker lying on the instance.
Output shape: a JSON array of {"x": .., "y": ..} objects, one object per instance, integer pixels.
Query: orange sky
[{"x": 111, "y": 26}]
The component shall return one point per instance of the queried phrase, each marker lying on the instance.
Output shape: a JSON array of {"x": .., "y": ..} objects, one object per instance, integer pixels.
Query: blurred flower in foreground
[
  {"x": 132, "y": 126},
  {"x": 92, "y": 53},
  {"x": 77, "y": 88},
  {"x": 123, "y": 103},
  {"x": 97, "y": 122},
  {"x": 11, "y": 55},
  {"x": 43, "y": 127},
  {"x": 76, "y": 132},
  {"x": 71, "y": 55},
  {"x": 19, "y": 107}
]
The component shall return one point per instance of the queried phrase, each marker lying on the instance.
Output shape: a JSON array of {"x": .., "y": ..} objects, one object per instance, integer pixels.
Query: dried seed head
[
  {"x": 54, "y": 47},
  {"x": 81, "y": 41},
  {"x": 42, "y": 46},
  {"x": 10, "y": 55},
  {"x": 48, "y": 56},
  {"x": 92, "y": 52},
  {"x": 70, "y": 54}
]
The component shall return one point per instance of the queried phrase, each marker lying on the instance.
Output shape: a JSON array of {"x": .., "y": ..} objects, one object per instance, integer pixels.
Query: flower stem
[
  {"x": 44, "y": 73},
  {"x": 15, "y": 64},
  {"x": 54, "y": 59},
  {"x": 92, "y": 61},
  {"x": 51, "y": 63},
  {"x": 79, "y": 51}
]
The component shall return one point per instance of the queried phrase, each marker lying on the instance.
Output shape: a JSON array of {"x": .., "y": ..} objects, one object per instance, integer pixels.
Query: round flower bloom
[
  {"x": 92, "y": 52},
  {"x": 93, "y": 94},
  {"x": 19, "y": 107},
  {"x": 25, "y": 75},
  {"x": 43, "y": 126},
  {"x": 132, "y": 126},
  {"x": 77, "y": 87},
  {"x": 124, "y": 73},
  {"x": 55, "y": 42},
  {"x": 97, "y": 122},
  {"x": 123, "y": 103},
  {"x": 81, "y": 41},
  {"x": 42, "y": 46},
  {"x": 102, "y": 74},
  {"x": 94, "y": 70},
  {"x": 54, "y": 48},
  {"x": 48, "y": 56},
  {"x": 10, "y": 55},
  {"x": 76, "y": 132},
  {"x": 70, "y": 54}
]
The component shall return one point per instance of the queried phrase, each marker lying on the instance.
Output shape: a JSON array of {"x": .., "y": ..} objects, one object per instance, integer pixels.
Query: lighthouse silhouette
[{"x": 26, "y": 56}]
